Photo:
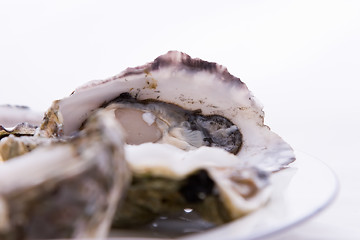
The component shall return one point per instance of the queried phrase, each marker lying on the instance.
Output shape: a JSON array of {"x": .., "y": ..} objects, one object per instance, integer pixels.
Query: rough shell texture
[
  {"x": 18, "y": 121},
  {"x": 12, "y": 146},
  {"x": 65, "y": 190},
  {"x": 21, "y": 129}
]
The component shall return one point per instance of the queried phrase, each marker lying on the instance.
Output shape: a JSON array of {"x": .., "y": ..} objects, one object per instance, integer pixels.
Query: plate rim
[{"x": 294, "y": 223}]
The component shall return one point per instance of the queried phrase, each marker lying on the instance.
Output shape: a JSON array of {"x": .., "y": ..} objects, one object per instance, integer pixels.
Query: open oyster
[
  {"x": 25, "y": 137},
  {"x": 11, "y": 115},
  {"x": 207, "y": 93},
  {"x": 194, "y": 133},
  {"x": 68, "y": 189},
  {"x": 16, "y": 121}
]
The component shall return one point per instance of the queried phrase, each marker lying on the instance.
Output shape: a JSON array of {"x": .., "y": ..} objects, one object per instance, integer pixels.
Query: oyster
[
  {"x": 25, "y": 137},
  {"x": 16, "y": 121},
  {"x": 210, "y": 181},
  {"x": 199, "y": 87},
  {"x": 11, "y": 115},
  {"x": 185, "y": 119},
  {"x": 13, "y": 146},
  {"x": 21, "y": 129},
  {"x": 67, "y": 189}
]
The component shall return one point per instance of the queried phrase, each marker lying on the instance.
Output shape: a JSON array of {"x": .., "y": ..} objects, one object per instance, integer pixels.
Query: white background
[{"x": 300, "y": 58}]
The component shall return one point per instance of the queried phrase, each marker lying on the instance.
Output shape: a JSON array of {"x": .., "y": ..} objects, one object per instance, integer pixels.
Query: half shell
[
  {"x": 12, "y": 115},
  {"x": 192, "y": 84},
  {"x": 66, "y": 189},
  {"x": 238, "y": 182}
]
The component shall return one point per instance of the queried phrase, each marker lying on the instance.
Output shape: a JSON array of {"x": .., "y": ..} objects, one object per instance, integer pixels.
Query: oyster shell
[
  {"x": 13, "y": 146},
  {"x": 25, "y": 137},
  {"x": 18, "y": 121},
  {"x": 194, "y": 85},
  {"x": 66, "y": 189},
  {"x": 11, "y": 115},
  {"x": 210, "y": 181},
  {"x": 173, "y": 103},
  {"x": 21, "y": 129}
]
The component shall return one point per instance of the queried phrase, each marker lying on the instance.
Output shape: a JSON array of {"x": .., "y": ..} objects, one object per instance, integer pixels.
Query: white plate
[{"x": 300, "y": 192}]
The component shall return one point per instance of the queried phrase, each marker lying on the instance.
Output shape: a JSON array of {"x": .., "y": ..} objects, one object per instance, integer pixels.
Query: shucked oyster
[
  {"x": 201, "y": 88},
  {"x": 66, "y": 189},
  {"x": 185, "y": 119},
  {"x": 16, "y": 121},
  {"x": 11, "y": 115},
  {"x": 24, "y": 137}
]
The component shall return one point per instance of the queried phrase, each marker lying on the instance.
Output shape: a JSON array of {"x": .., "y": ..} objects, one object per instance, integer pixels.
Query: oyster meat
[{"x": 160, "y": 122}]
